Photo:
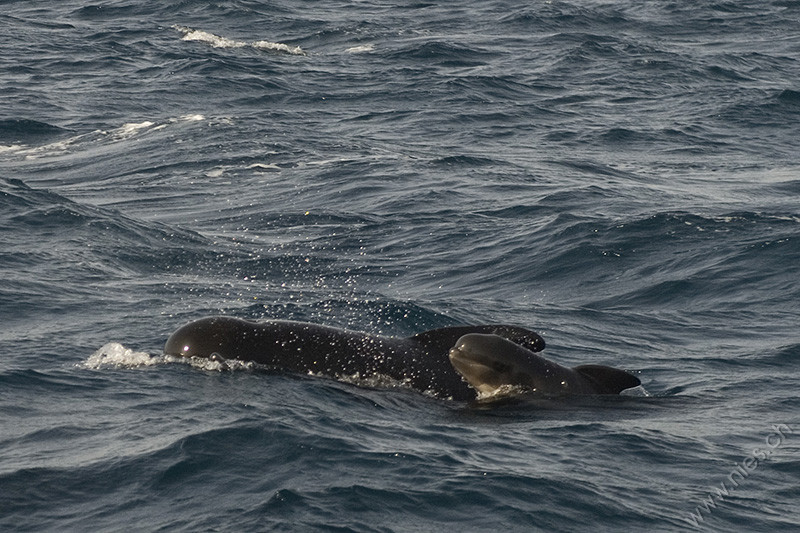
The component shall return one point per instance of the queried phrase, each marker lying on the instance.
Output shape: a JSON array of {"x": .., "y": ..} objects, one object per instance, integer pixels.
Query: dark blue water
[{"x": 623, "y": 178}]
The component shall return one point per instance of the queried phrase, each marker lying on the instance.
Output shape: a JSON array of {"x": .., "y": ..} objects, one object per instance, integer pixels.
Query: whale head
[
  {"x": 212, "y": 338},
  {"x": 490, "y": 362}
]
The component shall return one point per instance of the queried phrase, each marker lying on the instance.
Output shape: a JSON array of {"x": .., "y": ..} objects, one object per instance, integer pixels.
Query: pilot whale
[
  {"x": 420, "y": 361},
  {"x": 491, "y": 362}
]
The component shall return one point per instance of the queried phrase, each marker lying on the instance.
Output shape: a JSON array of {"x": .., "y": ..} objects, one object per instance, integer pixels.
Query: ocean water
[{"x": 622, "y": 177}]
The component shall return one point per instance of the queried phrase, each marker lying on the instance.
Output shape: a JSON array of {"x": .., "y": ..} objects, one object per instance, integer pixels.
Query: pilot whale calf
[
  {"x": 420, "y": 361},
  {"x": 490, "y": 362}
]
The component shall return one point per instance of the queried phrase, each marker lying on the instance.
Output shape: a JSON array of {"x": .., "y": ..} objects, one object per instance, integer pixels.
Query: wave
[
  {"x": 15, "y": 130},
  {"x": 120, "y": 133},
  {"x": 216, "y": 41},
  {"x": 443, "y": 53},
  {"x": 60, "y": 251}
]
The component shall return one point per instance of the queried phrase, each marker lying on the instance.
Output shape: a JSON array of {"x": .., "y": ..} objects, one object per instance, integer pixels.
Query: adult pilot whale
[
  {"x": 420, "y": 361},
  {"x": 491, "y": 363}
]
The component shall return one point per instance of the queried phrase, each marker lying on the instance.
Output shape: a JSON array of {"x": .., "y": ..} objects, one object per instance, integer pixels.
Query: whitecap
[
  {"x": 278, "y": 47},
  {"x": 360, "y": 49},
  {"x": 263, "y": 167},
  {"x": 209, "y": 38},
  {"x": 118, "y": 134},
  {"x": 130, "y": 129},
  {"x": 217, "y": 41},
  {"x": 11, "y": 148}
]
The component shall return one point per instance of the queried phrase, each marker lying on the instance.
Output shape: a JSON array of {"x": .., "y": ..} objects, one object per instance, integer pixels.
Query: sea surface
[{"x": 621, "y": 177}]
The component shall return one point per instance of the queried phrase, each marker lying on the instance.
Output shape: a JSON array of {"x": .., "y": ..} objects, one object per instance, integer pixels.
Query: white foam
[
  {"x": 116, "y": 355},
  {"x": 130, "y": 129},
  {"x": 217, "y": 41},
  {"x": 361, "y": 49},
  {"x": 12, "y": 148},
  {"x": 214, "y": 40},
  {"x": 126, "y": 131},
  {"x": 278, "y": 47},
  {"x": 263, "y": 166},
  {"x": 58, "y": 147}
]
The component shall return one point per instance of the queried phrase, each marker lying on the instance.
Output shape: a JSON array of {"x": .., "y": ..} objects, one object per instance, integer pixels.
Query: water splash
[{"x": 115, "y": 354}]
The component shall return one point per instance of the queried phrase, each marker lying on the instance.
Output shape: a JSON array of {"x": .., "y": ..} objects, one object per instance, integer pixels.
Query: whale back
[
  {"x": 440, "y": 340},
  {"x": 420, "y": 361},
  {"x": 294, "y": 346}
]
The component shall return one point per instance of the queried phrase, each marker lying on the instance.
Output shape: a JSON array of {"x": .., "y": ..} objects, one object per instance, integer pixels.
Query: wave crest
[{"x": 217, "y": 41}]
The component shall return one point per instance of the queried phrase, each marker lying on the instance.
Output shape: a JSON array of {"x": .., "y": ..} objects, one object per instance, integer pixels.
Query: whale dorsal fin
[
  {"x": 608, "y": 380},
  {"x": 442, "y": 339}
]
